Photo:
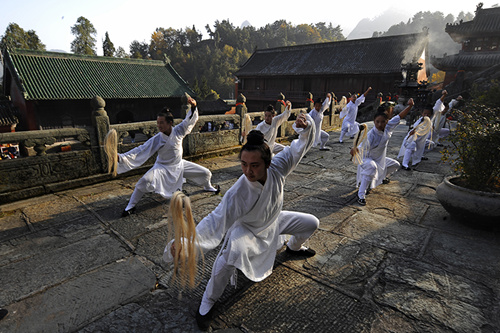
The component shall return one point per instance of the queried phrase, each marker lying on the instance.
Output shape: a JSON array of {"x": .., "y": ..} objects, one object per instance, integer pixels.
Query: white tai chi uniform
[
  {"x": 271, "y": 131},
  {"x": 321, "y": 136},
  {"x": 169, "y": 171},
  {"x": 413, "y": 147},
  {"x": 376, "y": 166},
  {"x": 251, "y": 221},
  {"x": 349, "y": 113}
]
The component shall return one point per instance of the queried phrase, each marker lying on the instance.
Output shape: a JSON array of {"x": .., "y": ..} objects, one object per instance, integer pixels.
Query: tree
[
  {"x": 84, "y": 42},
  {"x": 107, "y": 46},
  {"x": 16, "y": 37},
  {"x": 193, "y": 36},
  {"x": 139, "y": 50},
  {"x": 120, "y": 53}
]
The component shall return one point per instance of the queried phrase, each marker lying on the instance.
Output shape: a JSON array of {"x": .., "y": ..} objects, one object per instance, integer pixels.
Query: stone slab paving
[{"x": 70, "y": 263}]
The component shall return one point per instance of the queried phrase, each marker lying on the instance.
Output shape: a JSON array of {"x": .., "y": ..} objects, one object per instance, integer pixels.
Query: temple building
[
  {"x": 480, "y": 40},
  {"x": 54, "y": 90},
  {"x": 342, "y": 67}
]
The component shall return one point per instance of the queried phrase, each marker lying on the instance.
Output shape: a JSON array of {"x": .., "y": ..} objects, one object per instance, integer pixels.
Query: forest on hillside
[{"x": 208, "y": 65}]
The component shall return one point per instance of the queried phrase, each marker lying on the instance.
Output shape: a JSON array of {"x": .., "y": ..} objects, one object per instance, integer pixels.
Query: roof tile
[
  {"x": 360, "y": 56},
  {"x": 51, "y": 75}
]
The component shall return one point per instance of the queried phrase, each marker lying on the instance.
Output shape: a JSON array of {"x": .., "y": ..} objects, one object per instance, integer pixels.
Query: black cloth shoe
[
  {"x": 301, "y": 253},
  {"x": 204, "y": 321},
  {"x": 352, "y": 137},
  {"x": 325, "y": 148},
  {"x": 405, "y": 168},
  {"x": 386, "y": 181},
  {"x": 3, "y": 313},
  {"x": 362, "y": 202},
  {"x": 424, "y": 158},
  {"x": 218, "y": 189},
  {"x": 128, "y": 212}
]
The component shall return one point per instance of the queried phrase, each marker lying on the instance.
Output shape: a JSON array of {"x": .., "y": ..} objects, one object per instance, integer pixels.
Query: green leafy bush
[{"x": 475, "y": 151}]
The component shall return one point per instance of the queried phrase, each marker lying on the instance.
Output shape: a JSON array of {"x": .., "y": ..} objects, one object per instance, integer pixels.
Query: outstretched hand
[
  {"x": 301, "y": 121},
  {"x": 192, "y": 102},
  {"x": 411, "y": 102}
]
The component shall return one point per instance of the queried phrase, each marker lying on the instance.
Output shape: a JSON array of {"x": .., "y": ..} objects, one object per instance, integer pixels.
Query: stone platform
[{"x": 70, "y": 263}]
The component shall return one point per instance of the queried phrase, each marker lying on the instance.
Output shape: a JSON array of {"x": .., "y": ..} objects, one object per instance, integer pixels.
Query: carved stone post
[
  {"x": 280, "y": 104},
  {"x": 100, "y": 124},
  {"x": 241, "y": 109}
]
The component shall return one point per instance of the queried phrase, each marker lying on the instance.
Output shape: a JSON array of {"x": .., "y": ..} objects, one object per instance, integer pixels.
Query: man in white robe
[
  {"x": 251, "y": 222},
  {"x": 316, "y": 114},
  {"x": 349, "y": 125},
  {"x": 270, "y": 125},
  {"x": 376, "y": 166},
  {"x": 169, "y": 171},
  {"x": 414, "y": 144},
  {"x": 439, "y": 119}
]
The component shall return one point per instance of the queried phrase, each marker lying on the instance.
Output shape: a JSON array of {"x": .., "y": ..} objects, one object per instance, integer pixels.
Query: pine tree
[
  {"x": 84, "y": 42},
  {"x": 107, "y": 47}
]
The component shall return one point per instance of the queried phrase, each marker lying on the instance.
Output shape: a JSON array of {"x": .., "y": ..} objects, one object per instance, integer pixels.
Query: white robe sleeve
[
  {"x": 187, "y": 125},
  {"x": 286, "y": 160},
  {"x": 326, "y": 104},
  {"x": 136, "y": 157},
  {"x": 392, "y": 123},
  {"x": 360, "y": 100},
  {"x": 281, "y": 118}
]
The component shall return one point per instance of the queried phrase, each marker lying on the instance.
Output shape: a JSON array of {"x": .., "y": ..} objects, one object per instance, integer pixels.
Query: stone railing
[{"x": 60, "y": 159}]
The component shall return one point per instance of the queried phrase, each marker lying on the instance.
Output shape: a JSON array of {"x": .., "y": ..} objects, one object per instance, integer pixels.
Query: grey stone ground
[{"x": 69, "y": 263}]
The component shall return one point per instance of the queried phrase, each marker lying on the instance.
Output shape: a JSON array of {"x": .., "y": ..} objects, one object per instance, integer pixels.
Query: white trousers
[
  {"x": 192, "y": 171},
  {"x": 300, "y": 225},
  {"x": 369, "y": 171},
  {"x": 323, "y": 138},
  {"x": 349, "y": 129}
]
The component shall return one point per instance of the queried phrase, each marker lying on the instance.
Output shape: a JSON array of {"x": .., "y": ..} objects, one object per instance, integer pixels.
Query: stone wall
[{"x": 55, "y": 160}]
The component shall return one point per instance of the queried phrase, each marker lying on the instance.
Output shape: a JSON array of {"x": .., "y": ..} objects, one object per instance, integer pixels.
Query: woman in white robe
[
  {"x": 250, "y": 218},
  {"x": 269, "y": 127},
  {"x": 376, "y": 166},
  {"x": 349, "y": 125},
  {"x": 316, "y": 114},
  {"x": 169, "y": 171}
]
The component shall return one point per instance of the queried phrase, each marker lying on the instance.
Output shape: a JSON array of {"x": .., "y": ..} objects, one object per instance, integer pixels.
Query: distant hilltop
[{"x": 245, "y": 24}]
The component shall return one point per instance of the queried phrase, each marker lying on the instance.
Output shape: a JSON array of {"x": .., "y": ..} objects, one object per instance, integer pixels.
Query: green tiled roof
[{"x": 55, "y": 76}]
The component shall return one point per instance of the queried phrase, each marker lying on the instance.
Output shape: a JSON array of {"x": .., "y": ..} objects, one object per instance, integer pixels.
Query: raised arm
[
  {"x": 186, "y": 126},
  {"x": 286, "y": 160},
  {"x": 326, "y": 103},
  {"x": 403, "y": 113},
  {"x": 281, "y": 118},
  {"x": 367, "y": 91}
]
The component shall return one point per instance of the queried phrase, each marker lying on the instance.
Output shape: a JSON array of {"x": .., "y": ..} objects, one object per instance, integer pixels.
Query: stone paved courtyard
[{"x": 69, "y": 263}]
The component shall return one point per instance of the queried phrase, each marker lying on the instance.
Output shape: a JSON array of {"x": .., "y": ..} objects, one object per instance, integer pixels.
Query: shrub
[{"x": 475, "y": 152}]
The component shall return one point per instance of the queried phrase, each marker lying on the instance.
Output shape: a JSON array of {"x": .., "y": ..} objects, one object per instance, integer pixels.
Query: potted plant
[{"x": 473, "y": 194}]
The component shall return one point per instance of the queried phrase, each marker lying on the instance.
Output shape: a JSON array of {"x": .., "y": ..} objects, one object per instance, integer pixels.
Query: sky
[{"x": 129, "y": 20}]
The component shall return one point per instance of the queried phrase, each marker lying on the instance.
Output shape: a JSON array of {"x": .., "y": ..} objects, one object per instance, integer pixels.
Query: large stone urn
[{"x": 469, "y": 206}]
